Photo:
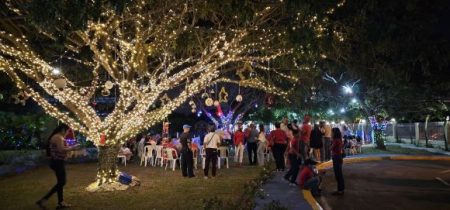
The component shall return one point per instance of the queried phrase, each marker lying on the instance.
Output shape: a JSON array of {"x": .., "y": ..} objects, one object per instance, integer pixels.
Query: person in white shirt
[
  {"x": 262, "y": 144},
  {"x": 210, "y": 144}
]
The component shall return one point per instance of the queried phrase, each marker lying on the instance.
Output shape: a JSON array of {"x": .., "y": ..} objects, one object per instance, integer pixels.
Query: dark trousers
[
  {"x": 278, "y": 154},
  {"x": 292, "y": 174},
  {"x": 252, "y": 148},
  {"x": 60, "y": 172},
  {"x": 337, "y": 168},
  {"x": 211, "y": 156},
  {"x": 187, "y": 160},
  {"x": 304, "y": 150},
  {"x": 327, "y": 148}
]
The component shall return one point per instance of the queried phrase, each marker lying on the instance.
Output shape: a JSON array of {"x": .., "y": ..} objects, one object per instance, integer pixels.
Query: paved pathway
[
  {"x": 279, "y": 190},
  {"x": 293, "y": 198}
]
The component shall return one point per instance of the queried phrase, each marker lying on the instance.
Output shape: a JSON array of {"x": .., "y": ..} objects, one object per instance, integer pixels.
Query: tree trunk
[
  {"x": 379, "y": 140},
  {"x": 107, "y": 164}
]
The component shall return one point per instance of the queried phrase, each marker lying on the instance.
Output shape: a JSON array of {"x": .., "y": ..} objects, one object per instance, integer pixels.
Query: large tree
[{"x": 141, "y": 51}]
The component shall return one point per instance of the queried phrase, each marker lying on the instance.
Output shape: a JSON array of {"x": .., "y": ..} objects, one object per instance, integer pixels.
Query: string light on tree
[{"x": 122, "y": 44}]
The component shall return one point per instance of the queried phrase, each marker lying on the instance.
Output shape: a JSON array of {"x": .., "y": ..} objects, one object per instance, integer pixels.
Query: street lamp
[
  {"x": 342, "y": 110},
  {"x": 354, "y": 101}
]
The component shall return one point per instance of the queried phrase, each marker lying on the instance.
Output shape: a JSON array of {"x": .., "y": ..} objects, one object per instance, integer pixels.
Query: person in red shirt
[
  {"x": 309, "y": 179},
  {"x": 278, "y": 140},
  {"x": 336, "y": 155},
  {"x": 305, "y": 135},
  {"x": 293, "y": 156},
  {"x": 238, "y": 140}
]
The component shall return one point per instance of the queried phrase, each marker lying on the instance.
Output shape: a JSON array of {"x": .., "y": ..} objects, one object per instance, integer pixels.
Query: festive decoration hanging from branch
[{"x": 223, "y": 95}]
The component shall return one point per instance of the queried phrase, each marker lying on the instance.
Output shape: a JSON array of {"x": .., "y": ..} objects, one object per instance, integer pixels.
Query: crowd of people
[{"x": 300, "y": 146}]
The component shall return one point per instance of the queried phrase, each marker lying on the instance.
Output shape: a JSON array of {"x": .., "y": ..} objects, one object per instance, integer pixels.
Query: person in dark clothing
[
  {"x": 187, "y": 157},
  {"x": 57, "y": 150},
  {"x": 316, "y": 141},
  {"x": 294, "y": 159},
  {"x": 336, "y": 155},
  {"x": 252, "y": 144}
]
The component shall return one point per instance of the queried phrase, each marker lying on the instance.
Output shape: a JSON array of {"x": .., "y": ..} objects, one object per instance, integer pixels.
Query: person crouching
[{"x": 309, "y": 178}]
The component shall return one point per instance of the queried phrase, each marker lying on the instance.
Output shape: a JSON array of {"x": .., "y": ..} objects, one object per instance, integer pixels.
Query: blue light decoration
[
  {"x": 199, "y": 113},
  {"x": 378, "y": 126}
]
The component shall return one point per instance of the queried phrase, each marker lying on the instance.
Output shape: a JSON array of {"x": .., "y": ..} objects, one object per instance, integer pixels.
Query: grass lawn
[
  {"x": 159, "y": 189},
  {"x": 396, "y": 150}
]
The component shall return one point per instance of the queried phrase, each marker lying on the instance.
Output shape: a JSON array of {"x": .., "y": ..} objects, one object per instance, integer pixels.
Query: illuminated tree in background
[
  {"x": 238, "y": 102},
  {"x": 136, "y": 53}
]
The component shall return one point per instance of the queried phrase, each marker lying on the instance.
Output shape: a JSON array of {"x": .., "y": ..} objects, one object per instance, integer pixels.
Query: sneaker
[
  {"x": 293, "y": 184},
  {"x": 41, "y": 203},
  {"x": 63, "y": 205},
  {"x": 205, "y": 177}
]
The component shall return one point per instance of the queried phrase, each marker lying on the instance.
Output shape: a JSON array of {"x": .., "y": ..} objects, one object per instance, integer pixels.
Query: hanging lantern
[
  {"x": 105, "y": 92},
  {"x": 216, "y": 103},
  {"x": 209, "y": 102},
  {"x": 83, "y": 91},
  {"x": 239, "y": 98},
  {"x": 109, "y": 85},
  {"x": 60, "y": 83}
]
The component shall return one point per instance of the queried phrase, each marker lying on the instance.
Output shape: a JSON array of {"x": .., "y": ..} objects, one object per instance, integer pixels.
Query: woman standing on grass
[
  {"x": 336, "y": 154},
  {"x": 57, "y": 150}
]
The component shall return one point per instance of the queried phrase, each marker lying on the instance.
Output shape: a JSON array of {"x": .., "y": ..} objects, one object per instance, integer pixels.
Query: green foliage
[{"x": 22, "y": 131}]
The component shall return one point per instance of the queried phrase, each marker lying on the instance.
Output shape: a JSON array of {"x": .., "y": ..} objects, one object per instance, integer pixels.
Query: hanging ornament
[
  {"x": 223, "y": 95},
  {"x": 166, "y": 126},
  {"x": 212, "y": 91},
  {"x": 247, "y": 67},
  {"x": 209, "y": 102},
  {"x": 165, "y": 99},
  {"x": 239, "y": 98},
  {"x": 83, "y": 91},
  {"x": 191, "y": 102},
  {"x": 20, "y": 98},
  {"x": 193, "y": 110},
  {"x": 269, "y": 100},
  {"x": 205, "y": 95},
  {"x": 60, "y": 83},
  {"x": 109, "y": 85},
  {"x": 253, "y": 74},
  {"x": 105, "y": 92},
  {"x": 94, "y": 103},
  {"x": 216, "y": 103}
]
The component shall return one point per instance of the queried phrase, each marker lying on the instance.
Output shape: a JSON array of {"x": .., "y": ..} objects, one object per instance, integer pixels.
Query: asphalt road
[{"x": 390, "y": 185}]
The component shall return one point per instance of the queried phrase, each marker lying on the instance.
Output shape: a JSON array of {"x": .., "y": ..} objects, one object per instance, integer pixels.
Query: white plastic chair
[
  {"x": 203, "y": 156},
  {"x": 148, "y": 154},
  {"x": 223, "y": 154},
  {"x": 159, "y": 155},
  {"x": 124, "y": 159},
  {"x": 195, "y": 156},
  {"x": 171, "y": 157},
  {"x": 141, "y": 151},
  {"x": 267, "y": 155}
]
